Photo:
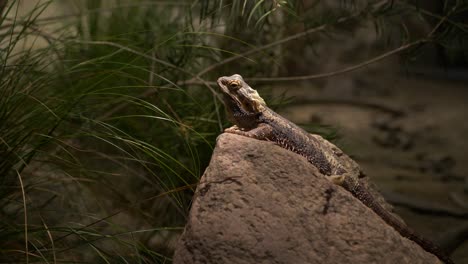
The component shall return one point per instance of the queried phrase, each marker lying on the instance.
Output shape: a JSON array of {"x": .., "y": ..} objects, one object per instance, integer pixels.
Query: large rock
[{"x": 259, "y": 203}]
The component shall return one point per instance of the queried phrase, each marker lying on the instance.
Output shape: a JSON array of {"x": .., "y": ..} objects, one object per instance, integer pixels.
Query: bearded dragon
[{"x": 252, "y": 118}]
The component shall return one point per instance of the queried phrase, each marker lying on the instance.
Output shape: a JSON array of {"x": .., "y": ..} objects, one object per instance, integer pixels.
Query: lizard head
[{"x": 240, "y": 93}]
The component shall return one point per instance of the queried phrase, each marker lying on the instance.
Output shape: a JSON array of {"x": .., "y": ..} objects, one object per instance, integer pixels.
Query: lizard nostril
[{"x": 221, "y": 80}]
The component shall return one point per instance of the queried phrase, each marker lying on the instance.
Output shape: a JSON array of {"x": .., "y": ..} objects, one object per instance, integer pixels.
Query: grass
[
  {"x": 99, "y": 146},
  {"x": 102, "y": 140}
]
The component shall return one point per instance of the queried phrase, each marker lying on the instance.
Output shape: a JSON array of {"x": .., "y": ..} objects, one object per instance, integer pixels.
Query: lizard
[{"x": 253, "y": 118}]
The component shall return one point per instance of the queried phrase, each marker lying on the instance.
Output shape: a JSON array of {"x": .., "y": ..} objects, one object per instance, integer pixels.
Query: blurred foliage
[{"x": 109, "y": 114}]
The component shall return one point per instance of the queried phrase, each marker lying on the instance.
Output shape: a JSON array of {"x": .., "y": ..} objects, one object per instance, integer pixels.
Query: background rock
[{"x": 259, "y": 203}]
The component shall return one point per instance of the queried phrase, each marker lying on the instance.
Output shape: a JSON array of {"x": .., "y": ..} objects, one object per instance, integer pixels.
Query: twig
[
  {"x": 51, "y": 239},
  {"x": 178, "y": 189},
  {"x": 421, "y": 206},
  {"x": 428, "y": 38},
  {"x": 122, "y": 47},
  {"x": 441, "y": 18},
  {"x": 142, "y": 4},
  {"x": 453, "y": 23},
  {"x": 195, "y": 82},
  {"x": 441, "y": 21},
  {"x": 364, "y": 104},
  {"x": 276, "y": 43},
  {"x": 144, "y": 55},
  {"x": 152, "y": 69},
  {"x": 2, "y": 6},
  {"x": 455, "y": 197},
  {"x": 25, "y": 218},
  {"x": 345, "y": 70}
]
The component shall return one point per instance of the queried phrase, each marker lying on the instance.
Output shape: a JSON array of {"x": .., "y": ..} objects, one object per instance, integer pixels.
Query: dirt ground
[{"x": 408, "y": 134}]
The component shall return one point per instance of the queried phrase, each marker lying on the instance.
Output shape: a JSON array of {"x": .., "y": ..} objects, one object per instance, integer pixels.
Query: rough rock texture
[{"x": 259, "y": 203}]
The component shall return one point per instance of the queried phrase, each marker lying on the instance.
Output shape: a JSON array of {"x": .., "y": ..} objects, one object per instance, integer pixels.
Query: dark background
[{"x": 109, "y": 111}]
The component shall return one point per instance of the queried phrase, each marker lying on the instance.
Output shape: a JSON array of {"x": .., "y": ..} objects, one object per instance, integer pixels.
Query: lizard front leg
[
  {"x": 337, "y": 179},
  {"x": 261, "y": 132},
  {"x": 345, "y": 180}
]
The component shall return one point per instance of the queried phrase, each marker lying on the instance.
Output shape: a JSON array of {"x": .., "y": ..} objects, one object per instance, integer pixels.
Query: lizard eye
[{"x": 235, "y": 85}]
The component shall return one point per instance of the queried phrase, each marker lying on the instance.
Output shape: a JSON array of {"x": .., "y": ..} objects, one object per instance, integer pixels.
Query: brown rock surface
[{"x": 259, "y": 203}]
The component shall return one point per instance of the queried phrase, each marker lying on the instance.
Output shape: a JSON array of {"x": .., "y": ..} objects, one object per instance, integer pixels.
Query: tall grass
[{"x": 101, "y": 149}]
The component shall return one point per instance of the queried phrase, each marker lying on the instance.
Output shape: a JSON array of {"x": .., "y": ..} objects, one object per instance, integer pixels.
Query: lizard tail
[{"x": 359, "y": 191}]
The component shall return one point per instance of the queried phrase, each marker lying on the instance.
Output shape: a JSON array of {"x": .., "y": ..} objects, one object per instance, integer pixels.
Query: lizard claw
[{"x": 232, "y": 129}]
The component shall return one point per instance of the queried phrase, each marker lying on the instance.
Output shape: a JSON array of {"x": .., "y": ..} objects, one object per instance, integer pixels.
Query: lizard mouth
[{"x": 223, "y": 84}]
